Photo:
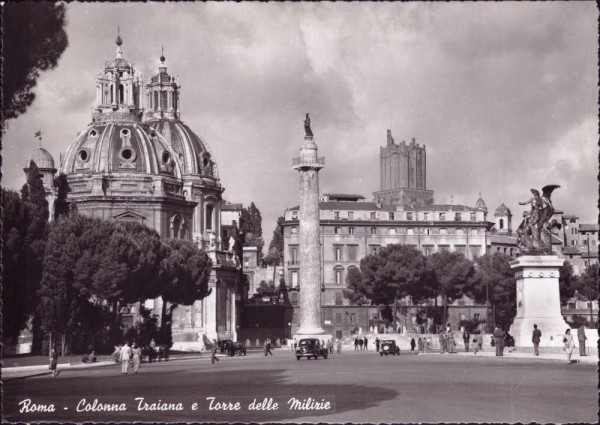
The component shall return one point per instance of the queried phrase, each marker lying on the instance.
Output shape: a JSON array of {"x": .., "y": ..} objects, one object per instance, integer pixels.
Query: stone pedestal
[{"x": 538, "y": 301}]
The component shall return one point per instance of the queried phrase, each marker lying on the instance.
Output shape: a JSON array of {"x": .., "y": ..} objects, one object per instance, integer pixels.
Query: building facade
[{"x": 147, "y": 166}]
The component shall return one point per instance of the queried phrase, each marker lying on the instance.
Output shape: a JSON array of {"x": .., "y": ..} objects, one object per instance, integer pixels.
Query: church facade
[{"x": 146, "y": 165}]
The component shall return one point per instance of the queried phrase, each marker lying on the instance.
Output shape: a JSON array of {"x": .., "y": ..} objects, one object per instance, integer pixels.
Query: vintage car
[
  {"x": 388, "y": 346},
  {"x": 239, "y": 349},
  {"x": 310, "y": 348}
]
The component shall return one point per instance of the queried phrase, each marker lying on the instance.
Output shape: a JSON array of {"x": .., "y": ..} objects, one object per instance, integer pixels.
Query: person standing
[
  {"x": 569, "y": 344},
  {"x": 412, "y": 345},
  {"x": 581, "y": 338},
  {"x": 377, "y": 342},
  {"x": 125, "y": 355},
  {"x": 366, "y": 343},
  {"x": 441, "y": 338},
  {"x": 136, "y": 356},
  {"x": 360, "y": 343},
  {"x": 480, "y": 340},
  {"x": 499, "y": 340},
  {"x": 268, "y": 347},
  {"x": 475, "y": 345},
  {"x": 451, "y": 343},
  {"x": 466, "y": 338},
  {"x": 420, "y": 345},
  {"x": 355, "y": 343},
  {"x": 214, "y": 352},
  {"x": 535, "y": 338},
  {"x": 54, "y": 362}
]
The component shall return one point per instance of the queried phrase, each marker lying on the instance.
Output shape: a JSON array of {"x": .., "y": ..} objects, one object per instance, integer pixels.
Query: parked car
[
  {"x": 388, "y": 346},
  {"x": 310, "y": 347},
  {"x": 239, "y": 349}
]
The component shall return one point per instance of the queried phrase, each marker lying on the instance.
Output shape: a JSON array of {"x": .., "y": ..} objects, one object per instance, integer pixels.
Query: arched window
[
  {"x": 209, "y": 217},
  {"x": 112, "y": 97},
  {"x": 176, "y": 223},
  {"x": 338, "y": 272},
  {"x": 501, "y": 223},
  {"x": 163, "y": 100},
  {"x": 121, "y": 94},
  {"x": 155, "y": 100}
]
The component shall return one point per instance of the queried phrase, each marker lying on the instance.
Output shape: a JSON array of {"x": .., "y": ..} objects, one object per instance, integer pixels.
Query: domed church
[{"x": 147, "y": 166}]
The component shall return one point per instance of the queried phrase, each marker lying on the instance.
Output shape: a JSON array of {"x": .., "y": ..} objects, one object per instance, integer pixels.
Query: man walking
[
  {"x": 466, "y": 337},
  {"x": 499, "y": 340},
  {"x": 355, "y": 343},
  {"x": 366, "y": 343},
  {"x": 125, "y": 354},
  {"x": 377, "y": 344},
  {"x": 581, "y": 337},
  {"x": 268, "y": 347},
  {"x": 535, "y": 338},
  {"x": 214, "y": 352}
]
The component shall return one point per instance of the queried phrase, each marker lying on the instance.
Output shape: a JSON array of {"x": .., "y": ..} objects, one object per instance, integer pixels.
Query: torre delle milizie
[{"x": 147, "y": 166}]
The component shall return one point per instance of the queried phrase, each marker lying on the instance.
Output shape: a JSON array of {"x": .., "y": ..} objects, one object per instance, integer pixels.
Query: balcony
[
  {"x": 293, "y": 263},
  {"x": 302, "y": 162}
]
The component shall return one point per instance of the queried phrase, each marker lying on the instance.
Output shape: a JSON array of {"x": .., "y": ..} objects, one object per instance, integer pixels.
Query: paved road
[{"x": 359, "y": 387}]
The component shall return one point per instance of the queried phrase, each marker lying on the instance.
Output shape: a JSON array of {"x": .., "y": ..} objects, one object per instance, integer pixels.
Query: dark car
[
  {"x": 226, "y": 346},
  {"x": 388, "y": 346},
  {"x": 310, "y": 348},
  {"x": 239, "y": 349}
]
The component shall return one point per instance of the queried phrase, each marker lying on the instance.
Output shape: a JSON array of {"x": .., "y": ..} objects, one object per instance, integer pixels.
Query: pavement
[{"x": 39, "y": 370}]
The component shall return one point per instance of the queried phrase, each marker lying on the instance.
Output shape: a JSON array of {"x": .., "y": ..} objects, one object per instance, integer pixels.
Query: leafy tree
[
  {"x": 587, "y": 283},
  {"x": 145, "y": 329},
  {"x": 451, "y": 271},
  {"x": 33, "y": 40},
  {"x": 61, "y": 205},
  {"x": 493, "y": 273},
  {"x": 251, "y": 228},
  {"x": 276, "y": 247},
  {"x": 392, "y": 273},
  {"x": 566, "y": 282},
  {"x": 267, "y": 289},
  {"x": 358, "y": 292}
]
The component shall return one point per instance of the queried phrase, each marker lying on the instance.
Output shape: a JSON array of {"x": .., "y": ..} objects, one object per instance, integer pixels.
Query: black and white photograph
[{"x": 300, "y": 212}]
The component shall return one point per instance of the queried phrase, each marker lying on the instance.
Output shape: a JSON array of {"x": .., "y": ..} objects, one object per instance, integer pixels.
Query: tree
[
  {"x": 358, "y": 292},
  {"x": 251, "y": 228},
  {"x": 33, "y": 40},
  {"x": 494, "y": 277},
  {"x": 587, "y": 285},
  {"x": 451, "y": 271},
  {"x": 267, "y": 289},
  {"x": 392, "y": 273},
  {"x": 276, "y": 247},
  {"x": 566, "y": 282}
]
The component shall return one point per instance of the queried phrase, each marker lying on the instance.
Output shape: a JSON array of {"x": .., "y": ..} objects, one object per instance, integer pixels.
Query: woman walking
[
  {"x": 136, "y": 353},
  {"x": 54, "y": 362},
  {"x": 569, "y": 344}
]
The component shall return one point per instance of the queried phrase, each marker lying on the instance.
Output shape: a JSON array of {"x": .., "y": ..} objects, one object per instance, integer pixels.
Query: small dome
[
  {"x": 42, "y": 159},
  {"x": 121, "y": 147},
  {"x": 480, "y": 204},
  {"x": 194, "y": 153},
  {"x": 502, "y": 210}
]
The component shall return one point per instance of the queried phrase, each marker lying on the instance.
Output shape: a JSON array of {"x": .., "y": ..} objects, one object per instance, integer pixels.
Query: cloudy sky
[{"x": 504, "y": 95}]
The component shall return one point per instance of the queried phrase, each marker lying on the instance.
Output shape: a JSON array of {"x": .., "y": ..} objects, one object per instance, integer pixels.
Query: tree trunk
[
  {"x": 396, "y": 315},
  {"x": 63, "y": 343}
]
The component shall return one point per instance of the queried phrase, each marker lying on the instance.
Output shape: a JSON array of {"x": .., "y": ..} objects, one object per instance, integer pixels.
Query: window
[
  {"x": 155, "y": 100},
  {"x": 427, "y": 231},
  {"x": 294, "y": 255},
  {"x": 163, "y": 100},
  {"x": 246, "y": 261},
  {"x": 442, "y": 216},
  {"x": 209, "y": 217},
  {"x": 473, "y": 232},
  {"x": 476, "y": 316},
  {"x": 350, "y": 215},
  {"x": 392, "y": 231},
  {"x": 295, "y": 215},
  {"x": 352, "y": 250},
  {"x": 338, "y": 300},
  {"x": 473, "y": 216},
  {"x": 338, "y": 253},
  {"x": 336, "y": 215},
  {"x": 573, "y": 242},
  {"x": 501, "y": 224},
  {"x": 427, "y": 251},
  {"x": 426, "y": 216},
  {"x": 337, "y": 230},
  {"x": 460, "y": 232},
  {"x": 410, "y": 231},
  {"x": 409, "y": 216},
  {"x": 391, "y": 216},
  {"x": 351, "y": 230},
  {"x": 457, "y": 216},
  {"x": 572, "y": 220},
  {"x": 373, "y": 230},
  {"x": 373, "y": 215},
  {"x": 294, "y": 230},
  {"x": 294, "y": 279},
  {"x": 338, "y": 318},
  {"x": 338, "y": 271},
  {"x": 443, "y": 231},
  {"x": 374, "y": 249}
]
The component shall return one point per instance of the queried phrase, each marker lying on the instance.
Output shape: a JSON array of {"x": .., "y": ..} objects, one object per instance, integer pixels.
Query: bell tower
[{"x": 162, "y": 94}]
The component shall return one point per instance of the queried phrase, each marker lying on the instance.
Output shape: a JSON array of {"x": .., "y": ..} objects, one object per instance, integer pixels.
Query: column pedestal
[{"x": 538, "y": 301}]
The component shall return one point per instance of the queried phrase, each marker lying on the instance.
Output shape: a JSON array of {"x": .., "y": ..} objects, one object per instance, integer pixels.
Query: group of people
[
  {"x": 361, "y": 343},
  {"x": 128, "y": 356},
  {"x": 568, "y": 342}
]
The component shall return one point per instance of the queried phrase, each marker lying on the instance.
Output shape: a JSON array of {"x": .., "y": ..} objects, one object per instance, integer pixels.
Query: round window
[
  {"x": 127, "y": 154},
  {"x": 125, "y": 132},
  {"x": 93, "y": 133},
  {"x": 205, "y": 162},
  {"x": 83, "y": 155},
  {"x": 166, "y": 157}
]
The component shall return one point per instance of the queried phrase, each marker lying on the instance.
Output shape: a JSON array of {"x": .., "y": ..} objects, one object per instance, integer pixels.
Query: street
[{"x": 352, "y": 387}]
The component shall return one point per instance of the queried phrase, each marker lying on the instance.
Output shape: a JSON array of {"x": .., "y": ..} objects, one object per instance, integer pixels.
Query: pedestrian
[
  {"x": 535, "y": 338},
  {"x": 116, "y": 354},
  {"x": 466, "y": 339},
  {"x": 451, "y": 343},
  {"x": 420, "y": 345},
  {"x": 295, "y": 344},
  {"x": 214, "y": 351},
  {"x": 499, "y": 340},
  {"x": 153, "y": 350},
  {"x": 125, "y": 357},
  {"x": 360, "y": 343},
  {"x": 412, "y": 344},
  {"x": 581, "y": 338},
  {"x": 268, "y": 347},
  {"x": 53, "y": 362},
  {"x": 441, "y": 338},
  {"x": 136, "y": 352},
  {"x": 355, "y": 343},
  {"x": 475, "y": 345},
  {"x": 480, "y": 340},
  {"x": 366, "y": 343},
  {"x": 428, "y": 345},
  {"x": 569, "y": 344},
  {"x": 329, "y": 346},
  {"x": 339, "y": 346}
]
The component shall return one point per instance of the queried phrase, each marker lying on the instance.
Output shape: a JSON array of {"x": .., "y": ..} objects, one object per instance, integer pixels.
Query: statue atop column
[
  {"x": 534, "y": 235},
  {"x": 307, "y": 129}
]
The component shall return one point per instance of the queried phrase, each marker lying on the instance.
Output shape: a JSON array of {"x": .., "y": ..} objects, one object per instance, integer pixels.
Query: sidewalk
[{"x": 521, "y": 354}]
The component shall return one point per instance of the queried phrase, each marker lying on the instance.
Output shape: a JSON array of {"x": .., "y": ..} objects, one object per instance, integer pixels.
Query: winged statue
[{"x": 534, "y": 235}]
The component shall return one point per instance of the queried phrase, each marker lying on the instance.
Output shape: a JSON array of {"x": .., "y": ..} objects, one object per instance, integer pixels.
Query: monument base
[
  {"x": 538, "y": 300},
  {"x": 321, "y": 337}
]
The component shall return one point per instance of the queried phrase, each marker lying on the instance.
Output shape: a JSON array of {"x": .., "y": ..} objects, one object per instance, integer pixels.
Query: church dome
[
  {"x": 42, "y": 159},
  {"x": 193, "y": 152},
  {"x": 121, "y": 147},
  {"x": 502, "y": 210}
]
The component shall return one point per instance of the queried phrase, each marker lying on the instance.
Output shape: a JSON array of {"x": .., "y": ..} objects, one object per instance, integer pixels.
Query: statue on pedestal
[
  {"x": 534, "y": 235},
  {"x": 307, "y": 129}
]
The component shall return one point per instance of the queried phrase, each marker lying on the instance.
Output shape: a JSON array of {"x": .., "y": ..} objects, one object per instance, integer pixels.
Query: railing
[{"x": 308, "y": 162}]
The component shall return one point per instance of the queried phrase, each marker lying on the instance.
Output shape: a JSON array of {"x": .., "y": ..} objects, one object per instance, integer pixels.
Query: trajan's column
[{"x": 309, "y": 165}]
